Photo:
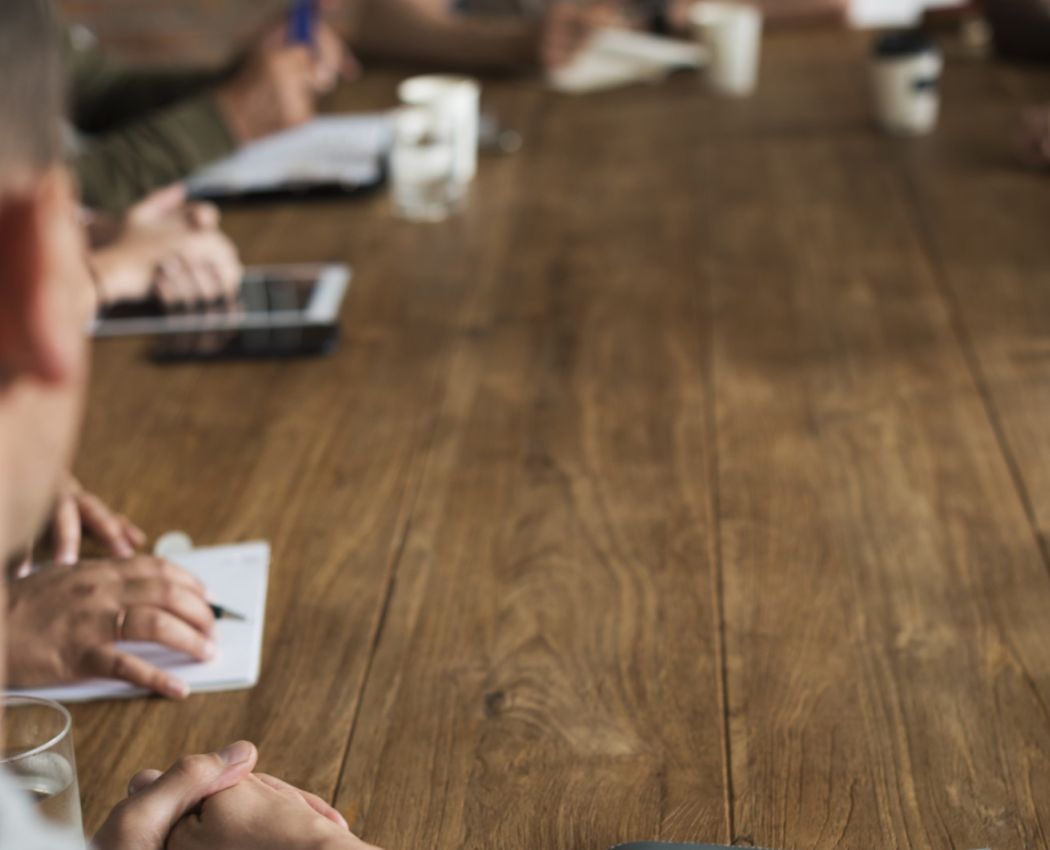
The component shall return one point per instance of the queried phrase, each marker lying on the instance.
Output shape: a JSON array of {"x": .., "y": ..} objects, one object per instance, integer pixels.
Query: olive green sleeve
[
  {"x": 139, "y": 129},
  {"x": 119, "y": 167}
]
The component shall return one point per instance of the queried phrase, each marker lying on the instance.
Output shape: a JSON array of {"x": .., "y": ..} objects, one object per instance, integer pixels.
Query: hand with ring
[{"x": 64, "y": 625}]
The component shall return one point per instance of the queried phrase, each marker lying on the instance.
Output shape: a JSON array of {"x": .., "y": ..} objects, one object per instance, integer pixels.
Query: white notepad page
[
  {"x": 236, "y": 577},
  {"x": 616, "y": 57},
  {"x": 333, "y": 150}
]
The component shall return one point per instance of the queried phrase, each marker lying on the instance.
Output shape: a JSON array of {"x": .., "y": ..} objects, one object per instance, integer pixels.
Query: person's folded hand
[
  {"x": 158, "y": 801},
  {"x": 65, "y": 624},
  {"x": 168, "y": 249},
  {"x": 214, "y": 801},
  {"x": 264, "y": 813}
]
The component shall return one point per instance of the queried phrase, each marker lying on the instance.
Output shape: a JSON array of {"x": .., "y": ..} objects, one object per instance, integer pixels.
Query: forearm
[
  {"x": 138, "y": 92},
  {"x": 403, "y": 29},
  {"x": 120, "y": 167}
]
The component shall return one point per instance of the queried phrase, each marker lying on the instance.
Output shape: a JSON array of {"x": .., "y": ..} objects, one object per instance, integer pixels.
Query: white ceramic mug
[
  {"x": 732, "y": 34},
  {"x": 906, "y": 71},
  {"x": 458, "y": 100}
]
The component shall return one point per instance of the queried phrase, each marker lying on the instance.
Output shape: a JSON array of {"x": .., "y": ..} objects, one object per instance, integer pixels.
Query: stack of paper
[{"x": 615, "y": 57}]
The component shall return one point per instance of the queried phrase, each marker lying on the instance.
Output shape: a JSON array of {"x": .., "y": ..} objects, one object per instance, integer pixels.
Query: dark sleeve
[
  {"x": 141, "y": 129},
  {"x": 106, "y": 93},
  {"x": 1021, "y": 27},
  {"x": 119, "y": 167}
]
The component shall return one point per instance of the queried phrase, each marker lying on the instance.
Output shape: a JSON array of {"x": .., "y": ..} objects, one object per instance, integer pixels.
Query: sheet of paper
[
  {"x": 335, "y": 150},
  {"x": 615, "y": 58},
  {"x": 236, "y": 577}
]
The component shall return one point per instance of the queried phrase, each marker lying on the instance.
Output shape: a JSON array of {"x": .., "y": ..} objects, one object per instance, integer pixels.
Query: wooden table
[{"x": 693, "y": 484}]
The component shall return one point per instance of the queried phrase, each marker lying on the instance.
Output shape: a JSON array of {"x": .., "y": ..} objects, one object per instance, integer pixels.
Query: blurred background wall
[
  {"x": 205, "y": 30},
  {"x": 170, "y": 30}
]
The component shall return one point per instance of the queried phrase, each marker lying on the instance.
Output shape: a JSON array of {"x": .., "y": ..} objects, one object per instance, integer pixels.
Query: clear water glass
[
  {"x": 37, "y": 756},
  {"x": 422, "y": 165}
]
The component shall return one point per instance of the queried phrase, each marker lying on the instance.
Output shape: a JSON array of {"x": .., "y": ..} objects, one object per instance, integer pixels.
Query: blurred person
[
  {"x": 672, "y": 16},
  {"x": 480, "y": 35},
  {"x": 140, "y": 129},
  {"x": 206, "y": 802},
  {"x": 1035, "y": 136},
  {"x": 508, "y": 34},
  {"x": 1021, "y": 28}
]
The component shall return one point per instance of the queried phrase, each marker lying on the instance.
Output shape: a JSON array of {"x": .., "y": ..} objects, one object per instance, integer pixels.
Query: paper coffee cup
[
  {"x": 732, "y": 33},
  {"x": 905, "y": 71}
]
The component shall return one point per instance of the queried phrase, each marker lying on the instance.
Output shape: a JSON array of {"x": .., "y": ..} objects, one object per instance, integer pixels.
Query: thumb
[
  {"x": 191, "y": 780},
  {"x": 160, "y": 203},
  {"x": 142, "y": 780}
]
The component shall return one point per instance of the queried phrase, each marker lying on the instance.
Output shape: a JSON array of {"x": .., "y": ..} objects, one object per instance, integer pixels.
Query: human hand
[
  {"x": 264, "y": 813},
  {"x": 145, "y": 819},
  {"x": 78, "y": 512},
  {"x": 64, "y": 624},
  {"x": 171, "y": 249},
  {"x": 333, "y": 61},
  {"x": 278, "y": 86},
  {"x": 567, "y": 26}
]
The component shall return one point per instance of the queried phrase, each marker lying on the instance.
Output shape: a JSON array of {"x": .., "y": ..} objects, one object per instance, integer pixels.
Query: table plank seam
[{"x": 961, "y": 332}]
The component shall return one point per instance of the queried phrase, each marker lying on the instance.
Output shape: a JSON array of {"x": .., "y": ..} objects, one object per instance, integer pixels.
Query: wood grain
[
  {"x": 884, "y": 596},
  {"x": 984, "y": 215},
  {"x": 687, "y": 486},
  {"x": 548, "y": 670}
]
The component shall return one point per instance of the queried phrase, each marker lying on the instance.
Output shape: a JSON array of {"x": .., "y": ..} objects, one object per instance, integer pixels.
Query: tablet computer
[{"x": 280, "y": 311}]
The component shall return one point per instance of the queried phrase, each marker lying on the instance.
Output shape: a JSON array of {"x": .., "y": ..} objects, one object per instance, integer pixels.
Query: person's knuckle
[
  {"x": 124, "y": 822},
  {"x": 153, "y": 621},
  {"x": 122, "y": 667},
  {"x": 196, "y": 768},
  {"x": 168, "y": 593}
]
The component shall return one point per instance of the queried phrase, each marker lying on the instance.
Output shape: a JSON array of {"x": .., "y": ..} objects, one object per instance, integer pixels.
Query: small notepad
[
  {"x": 236, "y": 578},
  {"x": 344, "y": 151}
]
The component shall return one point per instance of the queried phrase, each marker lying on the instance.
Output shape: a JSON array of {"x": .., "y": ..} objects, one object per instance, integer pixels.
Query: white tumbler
[
  {"x": 732, "y": 34},
  {"x": 906, "y": 71}
]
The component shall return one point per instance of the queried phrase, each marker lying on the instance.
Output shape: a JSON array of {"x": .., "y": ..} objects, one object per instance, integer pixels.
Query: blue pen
[{"x": 302, "y": 21}]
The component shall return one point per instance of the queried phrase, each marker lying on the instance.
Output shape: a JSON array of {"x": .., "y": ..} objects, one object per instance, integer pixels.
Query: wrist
[
  {"x": 342, "y": 841},
  {"x": 97, "y": 292},
  {"x": 230, "y": 101},
  {"x": 116, "y": 277}
]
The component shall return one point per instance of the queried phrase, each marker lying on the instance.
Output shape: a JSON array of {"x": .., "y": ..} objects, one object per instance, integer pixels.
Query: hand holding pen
[{"x": 307, "y": 27}]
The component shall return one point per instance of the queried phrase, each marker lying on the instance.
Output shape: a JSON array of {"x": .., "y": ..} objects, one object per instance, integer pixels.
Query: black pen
[{"x": 226, "y": 614}]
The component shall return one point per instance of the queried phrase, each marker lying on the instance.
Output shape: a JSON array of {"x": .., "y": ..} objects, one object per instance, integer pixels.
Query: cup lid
[{"x": 902, "y": 44}]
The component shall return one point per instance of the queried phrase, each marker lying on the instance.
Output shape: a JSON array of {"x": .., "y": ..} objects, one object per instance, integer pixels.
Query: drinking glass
[
  {"x": 37, "y": 756},
  {"x": 422, "y": 165},
  {"x": 457, "y": 100}
]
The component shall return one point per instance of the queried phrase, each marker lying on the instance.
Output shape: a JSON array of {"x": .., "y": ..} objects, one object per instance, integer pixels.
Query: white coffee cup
[
  {"x": 732, "y": 33},
  {"x": 458, "y": 100},
  {"x": 906, "y": 71}
]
